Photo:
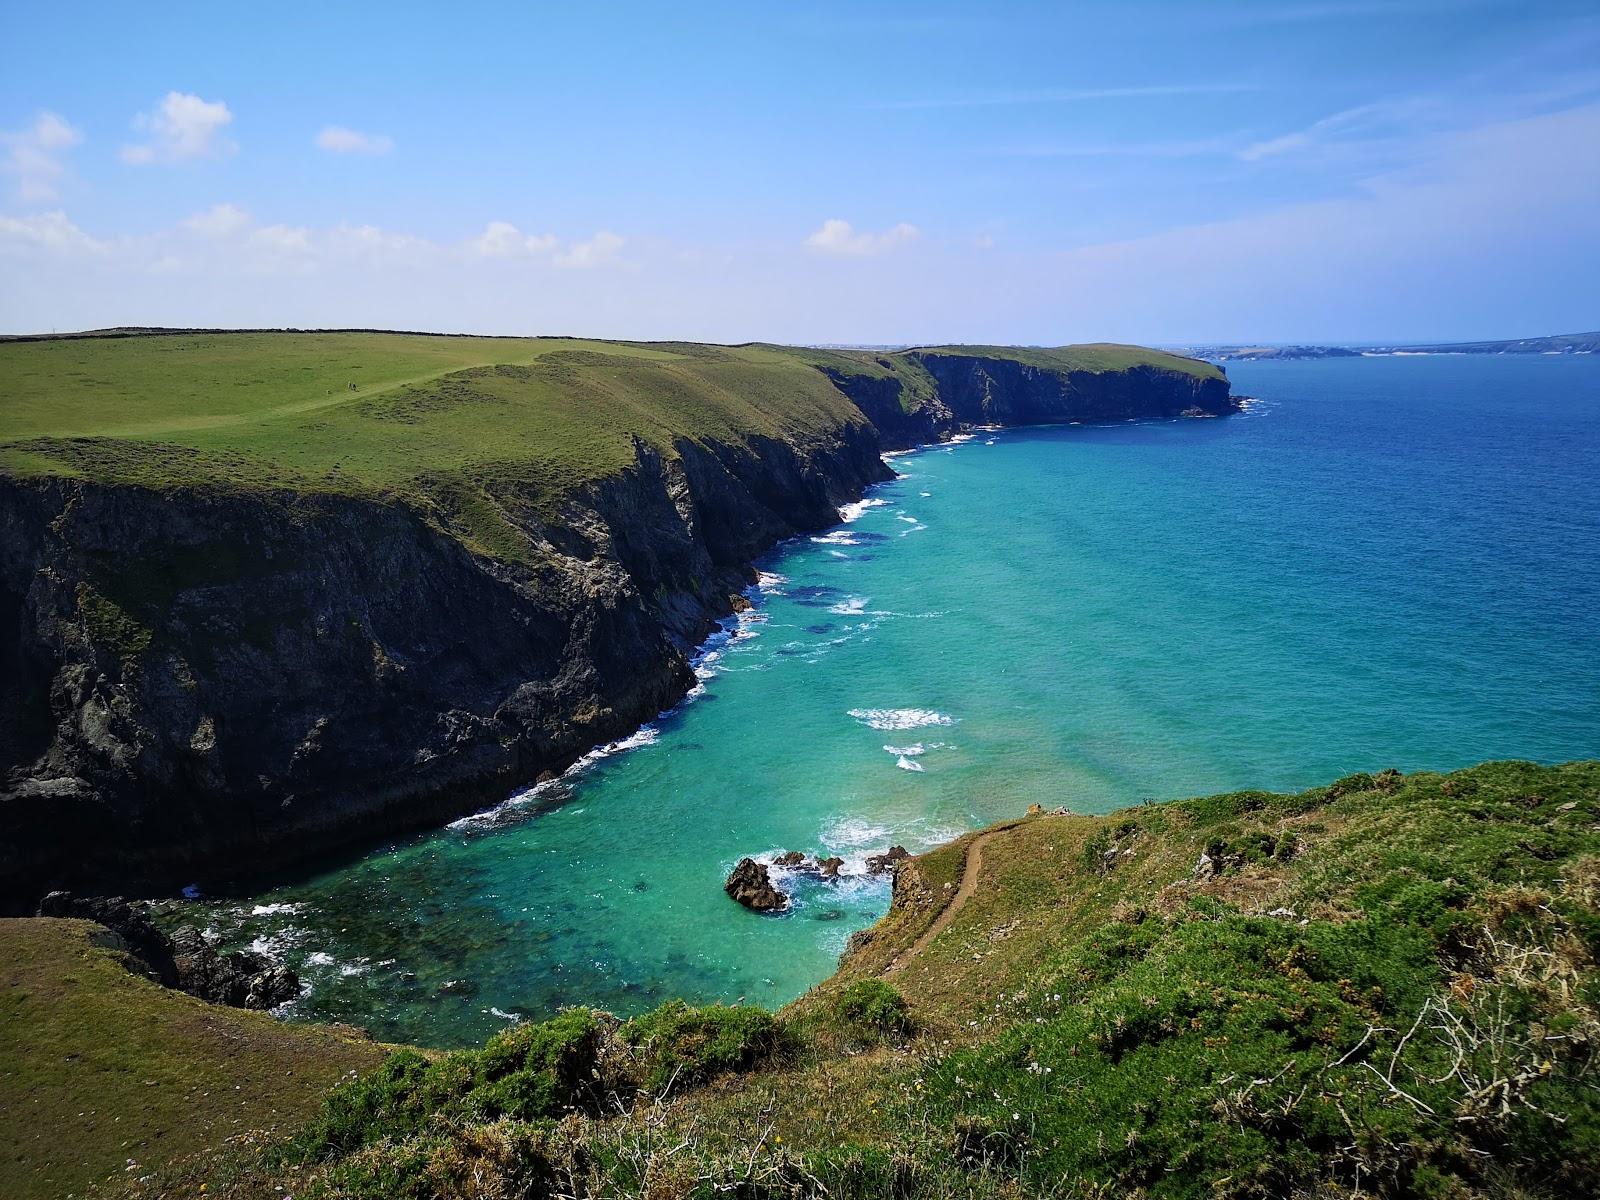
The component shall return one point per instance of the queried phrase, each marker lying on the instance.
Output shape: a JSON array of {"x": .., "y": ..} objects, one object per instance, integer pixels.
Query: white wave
[
  {"x": 771, "y": 582},
  {"x": 909, "y": 764},
  {"x": 645, "y": 735},
  {"x": 909, "y": 520},
  {"x": 956, "y": 439},
  {"x": 853, "y": 606},
  {"x": 269, "y": 910},
  {"x": 900, "y": 718},
  {"x": 849, "y": 512},
  {"x": 273, "y": 945},
  {"x": 836, "y": 537},
  {"x": 319, "y": 958},
  {"x": 924, "y": 495},
  {"x": 838, "y": 553},
  {"x": 505, "y": 1016}
]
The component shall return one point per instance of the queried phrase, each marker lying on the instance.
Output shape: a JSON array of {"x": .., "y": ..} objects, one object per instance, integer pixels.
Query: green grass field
[{"x": 373, "y": 413}]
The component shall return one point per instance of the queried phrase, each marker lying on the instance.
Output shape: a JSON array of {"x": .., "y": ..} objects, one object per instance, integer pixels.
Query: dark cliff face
[
  {"x": 201, "y": 684},
  {"x": 977, "y": 390}
]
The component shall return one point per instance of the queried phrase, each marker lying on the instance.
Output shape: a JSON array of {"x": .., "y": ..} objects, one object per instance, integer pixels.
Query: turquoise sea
[{"x": 1383, "y": 562}]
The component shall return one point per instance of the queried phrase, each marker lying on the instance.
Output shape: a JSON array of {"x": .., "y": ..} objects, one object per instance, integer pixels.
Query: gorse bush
[
  {"x": 872, "y": 1007},
  {"x": 529, "y": 1072},
  {"x": 681, "y": 1046}
]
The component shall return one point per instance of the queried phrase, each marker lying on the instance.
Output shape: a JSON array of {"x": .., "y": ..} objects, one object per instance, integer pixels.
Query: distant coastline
[{"x": 1562, "y": 343}]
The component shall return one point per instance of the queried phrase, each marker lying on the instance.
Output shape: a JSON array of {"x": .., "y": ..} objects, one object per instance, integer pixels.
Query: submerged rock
[{"x": 751, "y": 885}]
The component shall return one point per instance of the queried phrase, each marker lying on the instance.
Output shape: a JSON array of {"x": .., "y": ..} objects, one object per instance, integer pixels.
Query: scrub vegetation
[{"x": 1383, "y": 987}]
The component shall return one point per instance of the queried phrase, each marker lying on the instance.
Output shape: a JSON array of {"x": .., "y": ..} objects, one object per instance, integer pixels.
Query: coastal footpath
[{"x": 266, "y": 596}]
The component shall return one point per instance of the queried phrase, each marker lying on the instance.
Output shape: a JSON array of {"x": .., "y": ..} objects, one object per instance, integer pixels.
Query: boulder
[
  {"x": 828, "y": 867},
  {"x": 881, "y": 864},
  {"x": 751, "y": 885},
  {"x": 792, "y": 858}
]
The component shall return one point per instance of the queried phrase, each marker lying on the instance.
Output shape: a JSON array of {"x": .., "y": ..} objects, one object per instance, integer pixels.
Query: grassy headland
[
  {"x": 1384, "y": 987},
  {"x": 417, "y": 416}
]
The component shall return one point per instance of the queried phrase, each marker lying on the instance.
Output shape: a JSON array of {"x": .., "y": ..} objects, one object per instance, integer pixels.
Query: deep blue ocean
[{"x": 1383, "y": 562}]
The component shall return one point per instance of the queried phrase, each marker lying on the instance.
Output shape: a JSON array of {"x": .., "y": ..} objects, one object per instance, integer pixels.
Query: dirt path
[{"x": 969, "y": 884}]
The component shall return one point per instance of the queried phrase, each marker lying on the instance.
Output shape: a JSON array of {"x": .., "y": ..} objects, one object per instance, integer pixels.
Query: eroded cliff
[{"x": 200, "y": 681}]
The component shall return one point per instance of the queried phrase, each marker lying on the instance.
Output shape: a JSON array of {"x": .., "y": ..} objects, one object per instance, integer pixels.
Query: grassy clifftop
[
  {"x": 375, "y": 413},
  {"x": 1384, "y": 987}
]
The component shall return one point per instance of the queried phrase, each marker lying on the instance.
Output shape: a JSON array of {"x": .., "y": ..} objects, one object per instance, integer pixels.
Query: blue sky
[{"x": 1137, "y": 171}]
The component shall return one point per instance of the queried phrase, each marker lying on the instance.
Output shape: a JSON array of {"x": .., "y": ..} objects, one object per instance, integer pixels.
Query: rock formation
[
  {"x": 751, "y": 885},
  {"x": 186, "y": 960}
]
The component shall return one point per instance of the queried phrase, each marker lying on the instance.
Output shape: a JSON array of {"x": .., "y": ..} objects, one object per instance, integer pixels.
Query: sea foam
[{"x": 900, "y": 718}]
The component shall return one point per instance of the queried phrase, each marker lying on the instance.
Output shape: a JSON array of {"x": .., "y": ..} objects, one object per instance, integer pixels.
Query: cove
[{"x": 1383, "y": 562}]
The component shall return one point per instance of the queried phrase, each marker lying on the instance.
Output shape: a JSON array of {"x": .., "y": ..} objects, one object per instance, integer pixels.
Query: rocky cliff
[
  {"x": 202, "y": 681},
  {"x": 923, "y": 395}
]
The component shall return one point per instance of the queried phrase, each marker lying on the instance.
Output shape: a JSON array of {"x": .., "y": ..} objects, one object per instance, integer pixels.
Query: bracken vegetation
[{"x": 1385, "y": 987}]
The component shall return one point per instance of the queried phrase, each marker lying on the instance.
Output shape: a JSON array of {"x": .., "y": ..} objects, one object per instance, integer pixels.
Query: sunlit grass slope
[
  {"x": 396, "y": 414},
  {"x": 105, "y": 1075},
  {"x": 1385, "y": 987}
]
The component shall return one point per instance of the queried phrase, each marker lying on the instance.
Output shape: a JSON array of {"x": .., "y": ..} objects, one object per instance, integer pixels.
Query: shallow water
[{"x": 1384, "y": 562}]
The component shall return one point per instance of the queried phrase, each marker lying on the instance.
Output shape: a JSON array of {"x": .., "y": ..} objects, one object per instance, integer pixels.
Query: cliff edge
[{"x": 252, "y": 612}]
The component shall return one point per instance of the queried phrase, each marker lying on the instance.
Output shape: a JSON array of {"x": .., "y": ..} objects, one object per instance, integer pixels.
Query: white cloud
[
  {"x": 182, "y": 126},
  {"x": 33, "y": 155},
  {"x": 282, "y": 239},
  {"x": 602, "y": 248},
  {"x": 840, "y": 237},
  {"x": 502, "y": 239},
  {"x": 218, "y": 221},
  {"x": 337, "y": 139},
  {"x": 50, "y": 231}
]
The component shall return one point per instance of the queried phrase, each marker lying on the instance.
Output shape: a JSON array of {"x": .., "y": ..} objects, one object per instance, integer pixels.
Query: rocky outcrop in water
[
  {"x": 186, "y": 960},
  {"x": 751, "y": 885},
  {"x": 883, "y": 864}
]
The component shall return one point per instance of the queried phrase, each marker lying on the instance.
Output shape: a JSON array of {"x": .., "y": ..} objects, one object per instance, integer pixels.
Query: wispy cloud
[
  {"x": 1192, "y": 148},
  {"x": 218, "y": 221},
  {"x": 33, "y": 156},
  {"x": 337, "y": 139},
  {"x": 51, "y": 231},
  {"x": 1344, "y": 10},
  {"x": 502, "y": 239},
  {"x": 836, "y": 236},
  {"x": 182, "y": 126},
  {"x": 596, "y": 251},
  {"x": 1065, "y": 95}
]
